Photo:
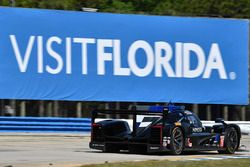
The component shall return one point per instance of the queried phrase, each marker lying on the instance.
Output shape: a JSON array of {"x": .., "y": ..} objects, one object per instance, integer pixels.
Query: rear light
[
  {"x": 96, "y": 131},
  {"x": 96, "y": 125}
]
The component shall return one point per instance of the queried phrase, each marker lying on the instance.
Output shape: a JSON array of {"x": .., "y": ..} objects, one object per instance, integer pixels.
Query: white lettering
[
  {"x": 22, "y": 64},
  {"x": 84, "y": 42},
  {"x": 55, "y": 55},
  {"x": 178, "y": 59},
  {"x": 187, "y": 71},
  {"x": 184, "y": 60},
  {"x": 40, "y": 54},
  {"x": 102, "y": 56},
  {"x": 141, "y": 72},
  {"x": 118, "y": 70},
  {"x": 68, "y": 56},
  {"x": 215, "y": 62},
  {"x": 163, "y": 61}
]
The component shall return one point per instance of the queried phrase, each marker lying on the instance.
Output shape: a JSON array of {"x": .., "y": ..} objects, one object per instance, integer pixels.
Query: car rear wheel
[
  {"x": 231, "y": 141},
  {"x": 176, "y": 141}
]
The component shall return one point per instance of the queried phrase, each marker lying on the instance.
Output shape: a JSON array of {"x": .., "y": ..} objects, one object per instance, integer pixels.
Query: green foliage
[{"x": 207, "y": 8}]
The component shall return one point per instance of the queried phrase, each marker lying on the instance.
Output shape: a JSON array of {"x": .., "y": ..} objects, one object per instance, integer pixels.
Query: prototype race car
[{"x": 161, "y": 129}]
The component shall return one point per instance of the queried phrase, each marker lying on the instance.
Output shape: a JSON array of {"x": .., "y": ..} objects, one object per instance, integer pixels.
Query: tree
[{"x": 207, "y": 8}]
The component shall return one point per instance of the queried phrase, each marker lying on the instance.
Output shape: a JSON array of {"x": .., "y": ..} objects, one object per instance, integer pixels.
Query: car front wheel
[
  {"x": 176, "y": 141},
  {"x": 231, "y": 140}
]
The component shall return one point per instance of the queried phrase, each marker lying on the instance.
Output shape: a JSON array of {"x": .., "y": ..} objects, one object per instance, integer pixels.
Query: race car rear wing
[
  {"x": 138, "y": 110},
  {"x": 97, "y": 113}
]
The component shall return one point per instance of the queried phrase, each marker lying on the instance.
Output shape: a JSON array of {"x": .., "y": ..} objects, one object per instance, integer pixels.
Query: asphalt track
[{"x": 60, "y": 150}]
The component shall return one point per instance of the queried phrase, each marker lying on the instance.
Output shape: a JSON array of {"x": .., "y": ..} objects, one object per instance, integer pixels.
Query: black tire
[
  {"x": 231, "y": 141},
  {"x": 176, "y": 141}
]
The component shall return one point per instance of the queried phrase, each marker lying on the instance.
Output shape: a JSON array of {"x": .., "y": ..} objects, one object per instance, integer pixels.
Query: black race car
[{"x": 161, "y": 129}]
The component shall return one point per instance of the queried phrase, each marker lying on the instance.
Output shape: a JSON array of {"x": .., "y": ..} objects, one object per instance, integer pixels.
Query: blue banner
[{"x": 63, "y": 55}]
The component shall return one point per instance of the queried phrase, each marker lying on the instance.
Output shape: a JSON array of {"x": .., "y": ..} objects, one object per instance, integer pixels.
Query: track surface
[{"x": 60, "y": 150}]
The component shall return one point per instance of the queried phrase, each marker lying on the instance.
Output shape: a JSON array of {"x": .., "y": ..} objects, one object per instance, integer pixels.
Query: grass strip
[{"x": 166, "y": 163}]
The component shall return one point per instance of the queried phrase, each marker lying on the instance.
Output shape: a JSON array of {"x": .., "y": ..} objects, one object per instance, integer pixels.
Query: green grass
[{"x": 166, "y": 163}]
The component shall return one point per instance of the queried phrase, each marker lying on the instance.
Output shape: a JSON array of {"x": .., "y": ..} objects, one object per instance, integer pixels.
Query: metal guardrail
[
  {"x": 44, "y": 124},
  {"x": 71, "y": 125}
]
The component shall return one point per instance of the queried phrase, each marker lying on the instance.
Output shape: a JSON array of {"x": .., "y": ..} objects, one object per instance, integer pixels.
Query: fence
[{"x": 44, "y": 124}]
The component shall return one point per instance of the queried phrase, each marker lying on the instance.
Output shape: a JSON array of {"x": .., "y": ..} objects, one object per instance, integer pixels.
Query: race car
[{"x": 159, "y": 129}]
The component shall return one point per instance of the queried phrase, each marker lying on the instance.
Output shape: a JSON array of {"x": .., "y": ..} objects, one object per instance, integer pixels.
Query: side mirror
[{"x": 219, "y": 120}]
